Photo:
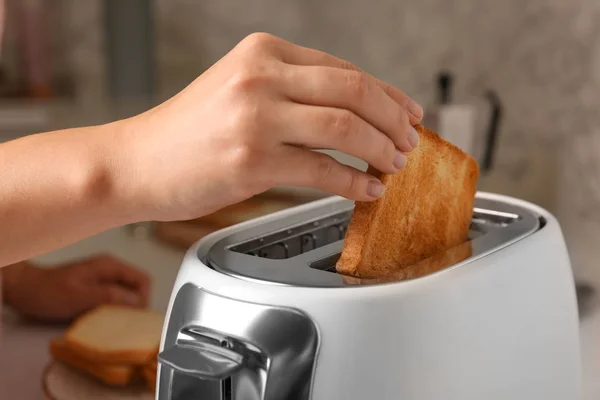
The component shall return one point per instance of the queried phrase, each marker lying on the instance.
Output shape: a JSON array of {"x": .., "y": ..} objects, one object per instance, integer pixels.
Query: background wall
[{"x": 541, "y": 56}]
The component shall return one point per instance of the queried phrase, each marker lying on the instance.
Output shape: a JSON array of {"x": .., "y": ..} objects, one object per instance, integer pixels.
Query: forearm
[{"x": 59, "y": 187}]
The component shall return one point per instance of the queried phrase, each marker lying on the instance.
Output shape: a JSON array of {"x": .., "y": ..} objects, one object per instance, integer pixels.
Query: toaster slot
[
  {"x": 302, "y": 248},
  {"x": 312, "y": 235},
  {"x": 297, "y": 240},
  {"x": 226, "y": 389},
  {"x": 328, "y": 263},
  {"x": 492, "y": 218}
]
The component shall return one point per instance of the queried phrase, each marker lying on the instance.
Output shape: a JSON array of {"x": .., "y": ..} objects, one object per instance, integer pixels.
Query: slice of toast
[
  {"x": 424, "y": 267},
  {"x": 149, "y": 375},
  {"x": 114, "y": 375},
  {"x": 427, "y": 208},
  {"x": 149, "y": 372},
  {"x": 116, "y": 335},
  {"x": 61, "y": 382}
]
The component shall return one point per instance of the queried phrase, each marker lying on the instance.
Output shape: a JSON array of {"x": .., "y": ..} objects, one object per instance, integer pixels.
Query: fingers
[
  {"x": 115, "y": 294},
  {"x": 354, "y": 91},
  {"x": 111, "y": 271},
  {"x": 299, "y": 167},
  {"x": 304, "y": 56},
  {"x": 339, "y": 129}
]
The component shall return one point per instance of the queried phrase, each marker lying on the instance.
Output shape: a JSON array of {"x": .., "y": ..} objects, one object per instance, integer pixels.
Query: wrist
[
  {"x": 62, "y": 186},
  {"x": 116, "y": 184}
]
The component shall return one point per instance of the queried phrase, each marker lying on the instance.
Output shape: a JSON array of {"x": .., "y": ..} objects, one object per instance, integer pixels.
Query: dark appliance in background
[{"x": 472, "y": 126}]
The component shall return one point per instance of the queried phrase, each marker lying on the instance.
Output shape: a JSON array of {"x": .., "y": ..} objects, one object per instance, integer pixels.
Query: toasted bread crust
[
  {"x": 149, "y": 375},
  {"x": 129, "y": 357},
  {"x": 57, "y": 376},
  {"x": 116, "y": 375},
  {"x": 427, "y": 208}
]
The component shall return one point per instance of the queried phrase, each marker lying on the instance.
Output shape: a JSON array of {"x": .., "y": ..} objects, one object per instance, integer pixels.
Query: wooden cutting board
[{"x": 61, "y": 382}]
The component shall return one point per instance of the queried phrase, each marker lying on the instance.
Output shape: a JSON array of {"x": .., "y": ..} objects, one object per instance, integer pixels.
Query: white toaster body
[{"x": 502, "y": 324}]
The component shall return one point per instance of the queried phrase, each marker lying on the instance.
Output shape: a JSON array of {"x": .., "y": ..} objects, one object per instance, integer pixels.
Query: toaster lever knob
[{"x": 201, "y": 360}]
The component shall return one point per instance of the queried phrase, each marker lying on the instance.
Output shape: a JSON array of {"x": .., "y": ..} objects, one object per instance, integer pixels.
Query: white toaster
[{"x": 259, "y": 313}]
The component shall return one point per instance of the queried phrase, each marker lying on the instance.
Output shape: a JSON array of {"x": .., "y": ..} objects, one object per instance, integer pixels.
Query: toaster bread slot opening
[
  {"x": 442, "y": 259},
  {"x": 302, "y": 248},
  {"x": 301, "y": 239},
  {"x": 297, "y": 240},
  {"x": 492, "y": 218}
]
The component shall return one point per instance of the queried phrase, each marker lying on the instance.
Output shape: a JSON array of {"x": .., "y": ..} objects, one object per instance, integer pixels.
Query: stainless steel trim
[
  {"x": 245, "y": 253},
  {"x": 201, "y": 360},
  {"x": 215, "y": 344}
]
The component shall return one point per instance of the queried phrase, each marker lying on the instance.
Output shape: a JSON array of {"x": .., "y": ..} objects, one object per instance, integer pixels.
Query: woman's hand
[
  {"x": 62, "y": 293},
  {"x": 248, "y": 124}
]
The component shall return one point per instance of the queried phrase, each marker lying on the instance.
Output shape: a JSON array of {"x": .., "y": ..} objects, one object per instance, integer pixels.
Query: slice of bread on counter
[
  {"x": 427, "y": 208},
  {"x": 116, "y": 335},
  {"x": 150, "y": 370},
  {"x": 62, "y": 382},
  {"x": 149, "y": 374},
  {"x": 111, "y": 374}
]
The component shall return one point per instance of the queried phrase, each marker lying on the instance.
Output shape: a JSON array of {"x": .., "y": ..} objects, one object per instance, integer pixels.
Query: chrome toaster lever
[
  {"x": 216, "y": 345},
  {"x": 202, "y": 360}
]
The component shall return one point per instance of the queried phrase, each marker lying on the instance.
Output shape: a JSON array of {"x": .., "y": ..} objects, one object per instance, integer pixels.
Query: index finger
[
  {"x": 304, "y": 56},
  {"x": 113, "y": 270}
]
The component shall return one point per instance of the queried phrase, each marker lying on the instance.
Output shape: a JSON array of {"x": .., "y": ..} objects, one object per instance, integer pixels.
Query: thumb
[{"x": 116, "y": 294}]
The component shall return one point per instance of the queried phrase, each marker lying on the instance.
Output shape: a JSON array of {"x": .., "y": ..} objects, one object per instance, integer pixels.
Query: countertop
[{"x": 25, "y": 345}]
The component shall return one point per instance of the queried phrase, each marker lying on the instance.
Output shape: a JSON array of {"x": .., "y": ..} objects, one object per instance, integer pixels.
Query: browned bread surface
[
  {"x": 427, "y": 208},
  {"x": 62, "y": 382},
  {"x": 117, "y": 375},
  {"x": 149, "y": 374}
]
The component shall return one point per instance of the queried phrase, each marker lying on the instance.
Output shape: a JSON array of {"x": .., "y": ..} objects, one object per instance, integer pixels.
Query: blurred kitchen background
[{"x": 516, "y": 83}]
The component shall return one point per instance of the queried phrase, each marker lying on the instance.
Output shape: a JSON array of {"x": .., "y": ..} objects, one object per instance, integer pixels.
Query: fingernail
[
  {"x": 375, "y": 189},
  {"x": 415, "y": 109},
  {"x": 400, "y": 160},
  {"x": 413, "y": 137}
]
